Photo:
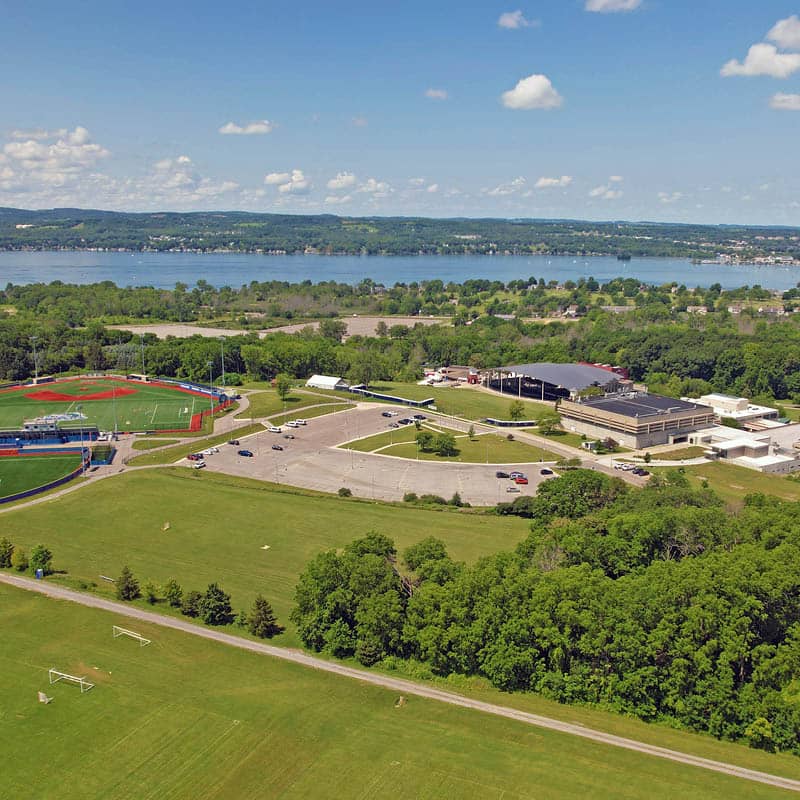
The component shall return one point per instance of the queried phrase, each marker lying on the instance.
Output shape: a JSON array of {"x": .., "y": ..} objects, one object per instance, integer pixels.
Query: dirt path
[{"x": 398, "y": 684}]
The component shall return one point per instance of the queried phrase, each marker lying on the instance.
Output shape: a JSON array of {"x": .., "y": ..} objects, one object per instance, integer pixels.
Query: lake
[{"x": 164, "y": 270}]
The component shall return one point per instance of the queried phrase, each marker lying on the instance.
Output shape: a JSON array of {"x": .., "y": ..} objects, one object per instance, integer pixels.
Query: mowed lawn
[
  {"x": 732, "y": 483},
  {"x": 465, "y": 401},
  {"x": 484, "y": 449},
  {"x": 18, "y": 474},
  {"x": 218, "y": 527},
  {"x": 189, "y": 719},
  {"x": 147, "y": 407},
  {"x": 269, "y": 404}
]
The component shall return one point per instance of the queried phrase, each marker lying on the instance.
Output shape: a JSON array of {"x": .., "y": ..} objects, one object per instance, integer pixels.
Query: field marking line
[
  {"x": 401, "y": 685},
  {"x": 153, "y": 415}
]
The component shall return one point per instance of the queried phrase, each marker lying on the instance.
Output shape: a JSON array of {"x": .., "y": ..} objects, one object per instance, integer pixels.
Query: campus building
[
  {"x": 635, "y": 419},
  {"x": 739, "y": 409},
  {"x": 327, "y": 382},
  {"x": 774, "y": 450},
  {"x": 553, "y": 382}
]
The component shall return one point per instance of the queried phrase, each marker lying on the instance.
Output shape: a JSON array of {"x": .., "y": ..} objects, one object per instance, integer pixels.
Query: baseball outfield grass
[
  {"x": 189, "y": 718},
  {"x": 18, "y": 474}
]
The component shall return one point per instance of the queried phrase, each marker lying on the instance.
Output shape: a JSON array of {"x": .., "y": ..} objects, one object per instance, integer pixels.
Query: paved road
[{"x": 398, "y": 684}]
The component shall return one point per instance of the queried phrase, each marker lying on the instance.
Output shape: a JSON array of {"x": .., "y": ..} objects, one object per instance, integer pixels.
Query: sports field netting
[
  {"x": 20, "y": 473},
  {"x": 137, "y": 406}
]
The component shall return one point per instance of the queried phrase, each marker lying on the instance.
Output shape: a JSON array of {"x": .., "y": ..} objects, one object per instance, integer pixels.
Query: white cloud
[
  {"x": 343, "y": 180},
  {"x": 37, "y": 133},
  {"x": 360, "y": 122},
  {"x": 275, "y": 178},
  {"x": 375, "y": 187},
  {"x": 605, "y": 192},
  {"x": 550, "y": 183},
  {"x": 611, "y": 6},
  {"x": 535, "y": 91},
  {"x": 670, "y": 197},
  {"x": 786, "y": 33},
  {"x": 433, "y": 188},
  {"x": 335, "y": 199},
  {"x": 505, "y": 189},
  {"x": 416, "y": 181},
  {"x": 261, "y": 126},
  {"x": 616, "y": 179},
  {"x": 297, "y": 183},
  {"x": 436, "y": 94},
  {"x": 785, "y": 102},
  {"x": 62, "y": 162},
  {"x": 513, "y": 20},
  {"x": 763, "y": 59}
]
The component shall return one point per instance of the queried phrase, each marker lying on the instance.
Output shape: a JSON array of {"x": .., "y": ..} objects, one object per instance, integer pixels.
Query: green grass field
[
  {"x": 18, "y": 474},
  {"x": 732, "y": 483},
  {"x": 487, "y": 448},
  {"x": 189, "y": 718},
  {"x": 149, "y": 408},
  {"x": 152, "y": 444},
  {"x": 218, "y": 527},
  {"x": 466, "y": 402}
]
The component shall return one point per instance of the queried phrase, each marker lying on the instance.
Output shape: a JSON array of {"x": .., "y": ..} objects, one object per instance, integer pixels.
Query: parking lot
[{"x": 312, "y": 460}]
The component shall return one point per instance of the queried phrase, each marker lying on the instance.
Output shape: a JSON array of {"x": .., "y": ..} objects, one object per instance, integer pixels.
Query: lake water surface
[{"x": 164, "y": 270}]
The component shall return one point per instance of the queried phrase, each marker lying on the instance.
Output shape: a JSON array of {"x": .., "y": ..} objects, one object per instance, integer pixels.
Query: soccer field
[
  {"x": 188, "y": 718},
  {"x": 135, "y": 406},
  {"x": 18, "y": 474}
]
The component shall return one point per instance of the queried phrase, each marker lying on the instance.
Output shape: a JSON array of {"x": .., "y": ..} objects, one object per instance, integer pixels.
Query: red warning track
[{"x": 47, "y": 395}]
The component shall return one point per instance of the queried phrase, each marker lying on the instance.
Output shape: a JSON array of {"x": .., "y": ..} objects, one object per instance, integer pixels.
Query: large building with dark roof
[
  {"x": 545, "y": 381},
  {"x": 635, "y": 419}
]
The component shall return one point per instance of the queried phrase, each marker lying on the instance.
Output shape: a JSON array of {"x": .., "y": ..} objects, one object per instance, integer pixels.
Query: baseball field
[{"x": 109, "y": 403}]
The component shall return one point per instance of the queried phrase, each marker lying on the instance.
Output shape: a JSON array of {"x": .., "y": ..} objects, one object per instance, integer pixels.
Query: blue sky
[{"x": 594, "y": 109}]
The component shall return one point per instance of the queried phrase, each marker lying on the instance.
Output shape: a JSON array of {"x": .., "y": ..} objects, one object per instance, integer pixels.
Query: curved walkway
[{"x": 399, "y": 684}]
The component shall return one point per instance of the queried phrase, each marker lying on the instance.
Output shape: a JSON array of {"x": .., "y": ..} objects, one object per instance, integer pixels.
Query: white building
[
  {"x": 327, "y": 382},
  {"x": 776, "y": 450},
  {"x": 737, "y": 408}
]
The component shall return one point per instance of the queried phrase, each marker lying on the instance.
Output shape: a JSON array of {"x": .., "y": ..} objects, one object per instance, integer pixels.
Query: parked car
[
  {"x": 420, "y": 416},
  {"x": 234, "y": 442},
  {"x": 545, "y": 471},
  {"x": 198, "y": 465},
  {"x": 277, "y": 447},
  {"x": 292, "y": 424},
  {"x": 300, "y": 421},
  {"x": 514, "y": 475},
  {"x": 405, "y": 421},
  {"x": 386, "y": 414},
  {"x": 246, "y": 453},
  {"x": 288, "y": 436},
  {"x": 513, "y": 489},
  {"x": 274, "y": 429},
  {"x": 523, "y": 481},
  {"x": 393, "y": 425},
  {"x": 195, "y": 457},
  {"x": 499, "y": 474}
]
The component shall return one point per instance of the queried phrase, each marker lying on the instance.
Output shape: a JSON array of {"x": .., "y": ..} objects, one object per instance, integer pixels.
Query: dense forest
[
  {"x": 673, "y": 352},
  {"x": 67, "y": 228},
  {"x": 653, "y": 602}
]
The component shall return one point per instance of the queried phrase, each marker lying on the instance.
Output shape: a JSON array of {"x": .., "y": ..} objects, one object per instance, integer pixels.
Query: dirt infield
[{"x": 47, "y": 395}]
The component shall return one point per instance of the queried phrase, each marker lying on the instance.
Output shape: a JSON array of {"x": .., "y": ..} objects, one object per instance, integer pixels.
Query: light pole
[
  {"x": 79, "y": 409},
  {"x": 35, "y": 360},
  {"x": 222, "y": 349},
  {"x": 141, "y": 342},
  {"x": 211, "y": 387}
]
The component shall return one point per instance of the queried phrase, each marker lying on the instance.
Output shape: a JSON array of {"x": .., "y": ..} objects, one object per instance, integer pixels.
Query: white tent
[{"x": 326, "y": 382}]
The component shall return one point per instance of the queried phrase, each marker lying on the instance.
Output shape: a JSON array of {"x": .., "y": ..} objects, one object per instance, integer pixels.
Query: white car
[
  {"x": 274, "y": 429},
  {"x": 299, "y": 422},
  {"x": 198, "y": 465},
  {"x": 292, "y": 424},
  {"x": 210, "y": 451}
]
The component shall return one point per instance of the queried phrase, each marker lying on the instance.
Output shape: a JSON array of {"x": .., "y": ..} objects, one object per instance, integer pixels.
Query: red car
[{"x": 523, "y": 481}]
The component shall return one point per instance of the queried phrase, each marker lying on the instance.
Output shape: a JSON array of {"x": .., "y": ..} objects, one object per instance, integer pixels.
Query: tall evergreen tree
[{"x": 263, "y": 622}]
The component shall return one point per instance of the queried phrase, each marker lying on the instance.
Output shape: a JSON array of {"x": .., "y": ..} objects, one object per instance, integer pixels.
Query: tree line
[{"x": 657, "y": 603}]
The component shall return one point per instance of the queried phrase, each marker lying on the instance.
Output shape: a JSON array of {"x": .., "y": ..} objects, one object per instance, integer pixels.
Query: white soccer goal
[
  {"x": 55, "y": 676},
  {"x": 117, "y": 632}
]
